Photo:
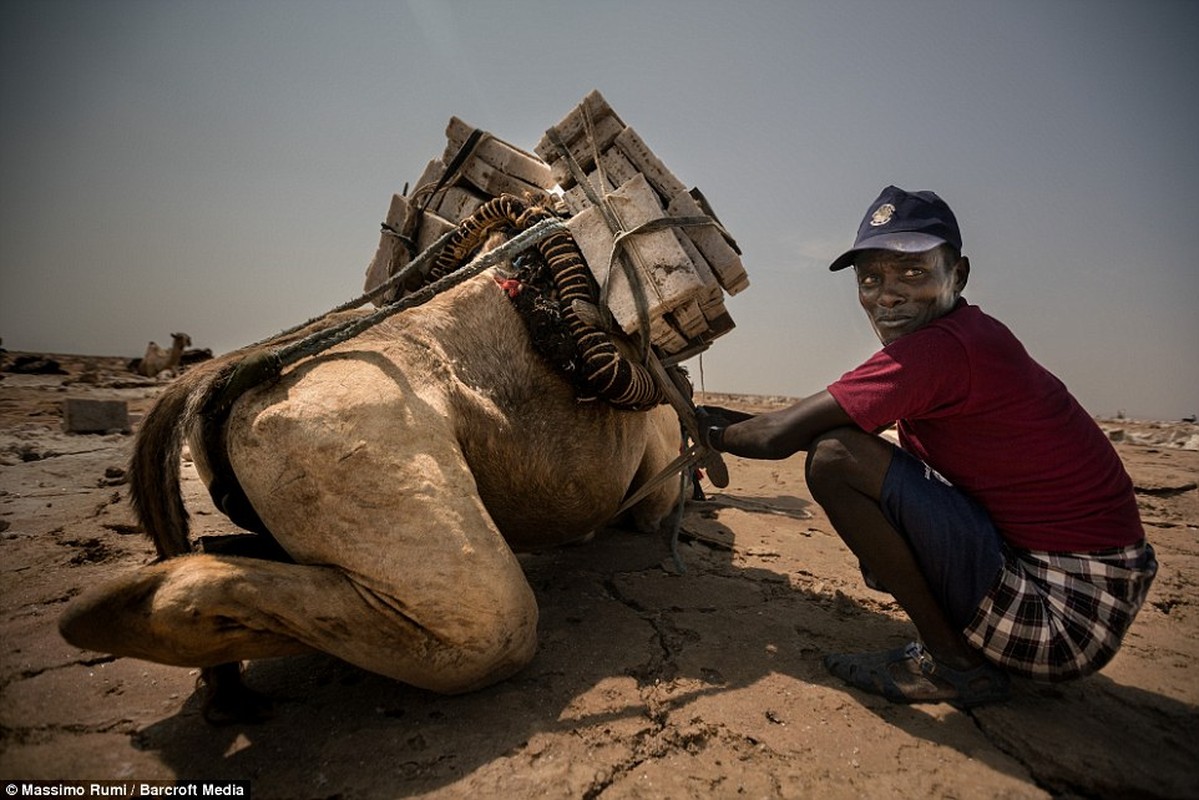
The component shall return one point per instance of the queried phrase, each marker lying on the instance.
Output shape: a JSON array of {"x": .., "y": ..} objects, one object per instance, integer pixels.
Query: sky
[{"x": 221, "y": 168}]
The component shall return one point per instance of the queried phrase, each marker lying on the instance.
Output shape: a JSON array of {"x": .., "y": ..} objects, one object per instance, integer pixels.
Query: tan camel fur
[
  {"x": 156, "y": 360},
  {"x": 400, "y": 471}
]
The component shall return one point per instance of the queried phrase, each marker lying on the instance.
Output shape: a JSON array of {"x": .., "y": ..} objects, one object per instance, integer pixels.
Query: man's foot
[{"x": 911, "y": 675}]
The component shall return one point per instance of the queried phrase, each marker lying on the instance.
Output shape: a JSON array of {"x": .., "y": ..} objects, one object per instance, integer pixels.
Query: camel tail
[
  {"x": 154, "y": 468},
  {"x": 154, "y": 471}
]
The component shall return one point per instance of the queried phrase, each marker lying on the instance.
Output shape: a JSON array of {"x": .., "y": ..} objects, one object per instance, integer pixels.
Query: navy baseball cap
[{"x": 909, "y": 222}]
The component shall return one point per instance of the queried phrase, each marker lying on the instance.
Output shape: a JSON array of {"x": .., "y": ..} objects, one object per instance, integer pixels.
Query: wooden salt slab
[
  {"x": 499, "y": 155},
  {"x": 664, "y": 267},
  {"x": 715, "y": 249}
]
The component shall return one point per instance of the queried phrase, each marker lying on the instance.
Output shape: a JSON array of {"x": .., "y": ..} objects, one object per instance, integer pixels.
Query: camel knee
[
  {"x": 496, "y": 646},
  {"x": 500, "y": 661},
  {"x": 111, "y": 618}
]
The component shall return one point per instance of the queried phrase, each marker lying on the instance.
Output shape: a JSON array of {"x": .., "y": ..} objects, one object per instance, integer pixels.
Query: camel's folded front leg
[{"x": 204, "y": 610}]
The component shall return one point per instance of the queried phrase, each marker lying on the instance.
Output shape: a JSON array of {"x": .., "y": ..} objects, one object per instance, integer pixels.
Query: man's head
[
  {"x": 908, "y": 261},
  {"x": 906, "y": 222}
]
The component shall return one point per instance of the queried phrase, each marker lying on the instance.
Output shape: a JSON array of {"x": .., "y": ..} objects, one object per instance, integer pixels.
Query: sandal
[{"x": 911, "y": 675}]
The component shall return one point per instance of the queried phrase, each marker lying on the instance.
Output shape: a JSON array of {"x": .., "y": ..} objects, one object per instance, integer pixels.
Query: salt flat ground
[{"x": 647, "y": 683}]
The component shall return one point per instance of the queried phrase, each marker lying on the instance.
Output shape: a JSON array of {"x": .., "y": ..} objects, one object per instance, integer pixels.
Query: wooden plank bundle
[
  {"x": 684, "y": 270},
  {"x": 480, "y": 167},
  {"x": 672, "y": 275}
]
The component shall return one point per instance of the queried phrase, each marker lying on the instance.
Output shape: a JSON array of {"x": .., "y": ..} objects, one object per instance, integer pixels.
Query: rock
[
  {"x": 84, "y": 415},
  {"x": 35, "y": 365}
]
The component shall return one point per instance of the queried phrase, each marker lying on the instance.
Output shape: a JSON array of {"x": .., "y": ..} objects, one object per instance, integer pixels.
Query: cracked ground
[{"x": 648, "y": 682}]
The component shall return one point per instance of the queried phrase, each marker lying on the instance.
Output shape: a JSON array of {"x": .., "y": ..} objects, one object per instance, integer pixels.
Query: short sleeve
[{"x": 923, "y": 375}]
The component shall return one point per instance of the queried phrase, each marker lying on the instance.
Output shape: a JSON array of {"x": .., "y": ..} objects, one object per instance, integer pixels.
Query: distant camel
[{"x": 156, "y": 360}]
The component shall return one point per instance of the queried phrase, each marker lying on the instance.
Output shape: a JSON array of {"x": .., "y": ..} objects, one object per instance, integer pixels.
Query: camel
[
  {"x": 157, "y": 361},
  {"x": 399, "y": 472}
]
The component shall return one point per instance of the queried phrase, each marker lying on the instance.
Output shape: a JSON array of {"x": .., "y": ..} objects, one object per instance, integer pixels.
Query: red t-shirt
[{"x": 972, "y": 404}]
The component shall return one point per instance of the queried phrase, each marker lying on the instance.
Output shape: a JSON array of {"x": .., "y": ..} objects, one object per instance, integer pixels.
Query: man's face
[{"x": 902, "y": 292}]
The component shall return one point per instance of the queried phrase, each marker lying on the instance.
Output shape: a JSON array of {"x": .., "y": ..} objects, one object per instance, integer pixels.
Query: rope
[
  {"x": 411, "y": 226},
  {"x": 677, "y": 525},
  {"x": 266, "y": 365},
  {"x": 616, "y": 226},
  {"x": 683, "y": 406},
  {"x": 416, "y": 265},
  {"x": 323, "y": 340}
]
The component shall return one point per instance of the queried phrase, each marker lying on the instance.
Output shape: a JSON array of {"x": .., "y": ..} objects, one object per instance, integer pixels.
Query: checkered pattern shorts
[{"x": 1057, "y": 616}]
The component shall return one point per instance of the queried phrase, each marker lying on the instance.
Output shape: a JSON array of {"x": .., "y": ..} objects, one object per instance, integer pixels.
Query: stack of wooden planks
[
  {"x": 671, "y": 275},
  {"x": 474, "y": 168},
  {"x": 683, "y": 271}
]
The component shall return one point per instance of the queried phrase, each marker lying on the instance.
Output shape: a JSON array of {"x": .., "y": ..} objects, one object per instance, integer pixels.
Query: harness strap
[
  {"x": 695, "y": 454},
  {"x": 686, "y": 460},
  {"x": 411, "y": 228}
]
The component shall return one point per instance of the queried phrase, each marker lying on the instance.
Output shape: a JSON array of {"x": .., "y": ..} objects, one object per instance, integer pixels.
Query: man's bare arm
[{"x": 780, "y": 434}]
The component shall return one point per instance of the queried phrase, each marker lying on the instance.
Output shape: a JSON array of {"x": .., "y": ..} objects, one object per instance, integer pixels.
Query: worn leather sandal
[{"x": 910, "y": 674}]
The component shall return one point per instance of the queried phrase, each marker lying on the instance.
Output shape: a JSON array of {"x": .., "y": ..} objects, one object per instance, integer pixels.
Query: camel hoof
[{"x": 228, "y": 701}]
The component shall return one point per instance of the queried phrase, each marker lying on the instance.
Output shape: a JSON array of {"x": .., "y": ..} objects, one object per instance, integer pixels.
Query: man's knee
[
  {"x": 847, "y": 458},
  {"x": 826, "y": 465}
]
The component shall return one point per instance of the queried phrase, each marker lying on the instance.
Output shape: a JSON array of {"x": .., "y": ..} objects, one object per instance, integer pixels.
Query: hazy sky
[{"x": 221, "y": 168}]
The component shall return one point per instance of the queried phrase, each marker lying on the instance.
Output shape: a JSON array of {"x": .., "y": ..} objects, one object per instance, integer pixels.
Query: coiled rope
[
  {"x": 623, "y": 383},
  {"x": 669, "y": 380}
]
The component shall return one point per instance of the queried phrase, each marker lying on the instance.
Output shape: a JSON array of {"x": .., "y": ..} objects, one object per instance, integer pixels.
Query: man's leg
[{"x": 846, "y": 469}]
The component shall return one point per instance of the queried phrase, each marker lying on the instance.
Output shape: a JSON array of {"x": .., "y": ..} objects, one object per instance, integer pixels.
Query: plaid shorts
[{"x": 1057, "y": 616}]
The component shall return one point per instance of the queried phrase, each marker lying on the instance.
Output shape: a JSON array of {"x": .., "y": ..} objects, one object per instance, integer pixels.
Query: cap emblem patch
[{"x": 882, "y": 215}]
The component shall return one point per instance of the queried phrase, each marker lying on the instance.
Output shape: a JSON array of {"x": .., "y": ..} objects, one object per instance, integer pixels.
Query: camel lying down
[
  {"x": 157, "y": 361},
  {"x": 399, "y": 471}
]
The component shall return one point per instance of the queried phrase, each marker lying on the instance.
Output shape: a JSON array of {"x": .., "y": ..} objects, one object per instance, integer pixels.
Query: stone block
[
  {"x": 588, "y": 130},
  {"x": 494, "y": 182},
  {"x": 388, "y": 250},
  {"x": 456, "y": 203},
  {"x": 428, "y": 179},
  {"x": 86, "y": 415},
  {"x": 392, "y": 255},
  {"x": 717, "y": 252},
  {"x": 711, "y": 301},
  {"x": 662, "y": 266}
]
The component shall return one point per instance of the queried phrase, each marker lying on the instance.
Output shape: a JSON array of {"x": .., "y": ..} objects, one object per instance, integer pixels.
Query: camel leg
[
  {"x": 349, "y": 464},
  {"x": 204, "y": 610},
  {"x": 399, "y": 570},
  {"x": 663, "y": 441}
]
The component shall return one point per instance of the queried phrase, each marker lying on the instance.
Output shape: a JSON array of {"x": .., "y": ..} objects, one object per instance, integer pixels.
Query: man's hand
[
  {"x": 712, "y": 420},
  {"x": 774, "y": 434}
]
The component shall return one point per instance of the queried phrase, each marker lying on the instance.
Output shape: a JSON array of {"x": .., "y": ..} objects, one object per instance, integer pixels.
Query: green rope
[
  {"x": 265, "y": 366},
  {"x": 323, "y": 340},
  {"x": 418, "y": 264}
]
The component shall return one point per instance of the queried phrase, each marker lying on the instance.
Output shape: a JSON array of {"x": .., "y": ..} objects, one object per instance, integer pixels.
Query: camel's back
[
  {"x": 549, "y": 467},
  {"x": 459, "y": 375}
]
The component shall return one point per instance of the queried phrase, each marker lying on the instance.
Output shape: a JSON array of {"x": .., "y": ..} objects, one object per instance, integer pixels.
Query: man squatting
[{"x": 1004, "y": 523}]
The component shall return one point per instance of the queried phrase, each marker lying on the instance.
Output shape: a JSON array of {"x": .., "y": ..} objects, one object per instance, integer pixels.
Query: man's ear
[{"x": 961, "y": 274}]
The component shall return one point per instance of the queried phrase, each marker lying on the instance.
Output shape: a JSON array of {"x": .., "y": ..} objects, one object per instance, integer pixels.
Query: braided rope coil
[{"x": 619, "y": 381}]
